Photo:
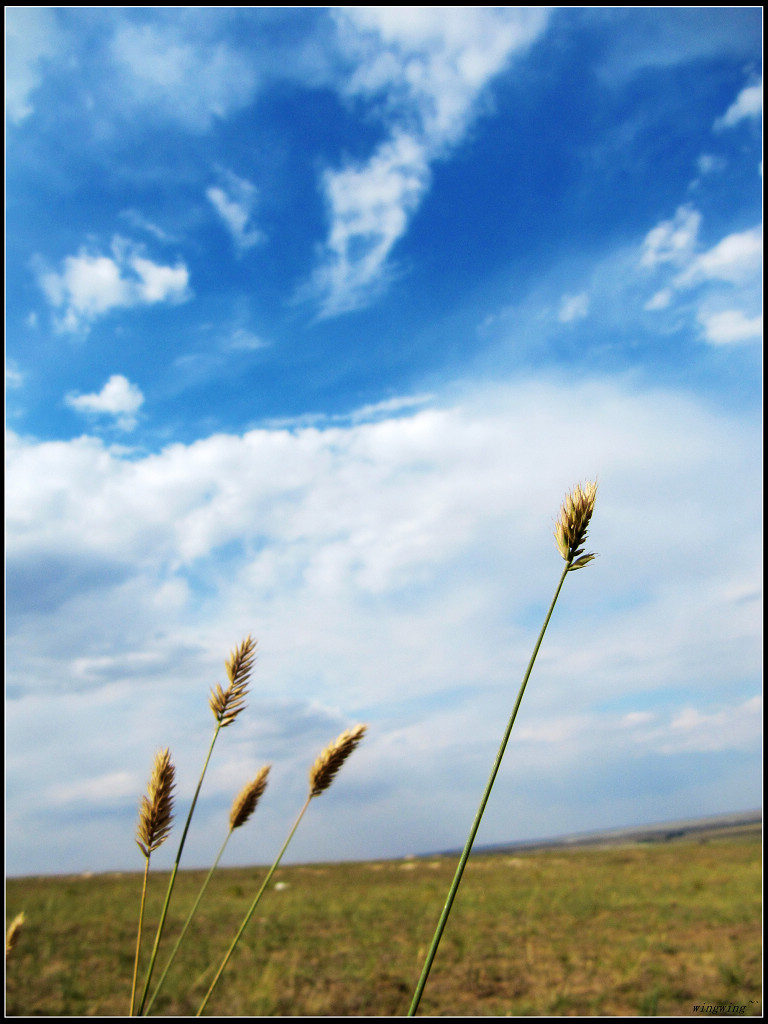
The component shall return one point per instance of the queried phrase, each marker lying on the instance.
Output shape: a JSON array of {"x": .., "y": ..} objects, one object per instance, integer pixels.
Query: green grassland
[{"x": 639, "y": 929}]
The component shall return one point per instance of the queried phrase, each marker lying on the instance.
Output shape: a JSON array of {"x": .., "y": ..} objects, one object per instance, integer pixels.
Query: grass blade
[
  {"x": 243, "y": 807},
  {"x": 570, "y": 534},
  {"x": 226, "y": 705},
  {"x": 321, "y": 775}
]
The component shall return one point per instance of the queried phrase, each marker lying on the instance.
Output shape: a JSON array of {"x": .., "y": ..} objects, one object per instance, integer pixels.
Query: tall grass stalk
[
  {"x": 155, "y": 817},
  {"x": 242, "y": 808},
  {"x": 226, "y": 705},
  {"x": 321, "y": 776},
  {"x": 570, "y": 535}
]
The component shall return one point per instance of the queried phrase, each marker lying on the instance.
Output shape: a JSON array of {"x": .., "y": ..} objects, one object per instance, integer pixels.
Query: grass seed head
[
  {"x": 156, "y": 809},
  {"x": 332, "y": 758},
  {"x": 245, "y": 802},
  {"x": 227, "y": 704},
  {"x": 571, "y": 527},
  {"x": 12, "y": 935}
]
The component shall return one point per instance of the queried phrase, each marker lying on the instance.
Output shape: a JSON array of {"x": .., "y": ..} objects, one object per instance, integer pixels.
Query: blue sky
[{"x": 313, "y": 315}]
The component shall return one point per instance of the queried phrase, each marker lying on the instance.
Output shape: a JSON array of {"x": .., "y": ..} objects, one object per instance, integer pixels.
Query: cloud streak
[
  {"x": 747, "y": 105},
  {"x": 725, "y": 279},
  {"x": 369, "y": 206},
  {"x": 32, "y": 37},
  {"x": 235, "y": 202},
  {"x": 424, "y": 70},
  {"x": 174, "y": 76}
]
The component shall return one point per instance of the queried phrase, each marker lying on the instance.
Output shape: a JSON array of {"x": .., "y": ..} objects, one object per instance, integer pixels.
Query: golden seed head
[
  {"x": 227, "y": 704},
  {"x": 156, "y": 809},
  {"x": 324, "y": 769},
  {"x": 12, "y": 935},
  {"x": 571, "y": 527},
  {"x": 245, "y": 802}
]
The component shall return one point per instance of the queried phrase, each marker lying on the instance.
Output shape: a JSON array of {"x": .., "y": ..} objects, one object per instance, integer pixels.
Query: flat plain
[{"x": 671, "y": 927}]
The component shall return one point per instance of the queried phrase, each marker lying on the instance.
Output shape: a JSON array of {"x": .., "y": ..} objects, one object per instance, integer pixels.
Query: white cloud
[
  {"x": 137, "y": 220},
  {"x": 193, "y": 81},
  {"x": 365, "y": 414},
  {"x": 725, "y": 279},
  {"x": 730, "y": 326},
  {"x": 640, "y": 40},
  {"x": 87, "y": 286},
  {"x": 235, "y": 203},
  {"x": 731, "y": 727},
  {"x": 14, "y": 378},
  {"x": 736, "y": 258},
  {"x": 672, "y": 241},
  {"x": 390, "y": 406},
  {"x": 157, "y": 283},
  {"x": 393, "y": 570},
  {"x": 633, "y": 719},
  {"x": 369, "y": 206},
  {"x": 118, "y": 398},
  {"x": 573, "y": 307},
  {"x": 660, "y": 300},
  {"x": 431, "y": 63},
  {"x": 90, "y": 285},
  {"x": 710, "y": 164},
  {"x": 101, "y": 791},
  {"x": 748, "y": 104},
  {"x": 242, "y": 338},
  {"x": 31, "y": 37},
  {"x": 425, "y": 70}
]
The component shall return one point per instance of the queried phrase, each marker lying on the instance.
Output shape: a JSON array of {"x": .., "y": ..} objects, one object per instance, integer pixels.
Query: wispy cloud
[
  {"x": 244, "y": 339},
  {"x": 369, "y": 206},
  {"x": 118, "y": 398},
  {"x": 90, "y": 285},
  {"x": 31, "y": 36},
  {"x": 101, "y": 791},
  {"x": 672, "y": 241},
  {"x": 428, "y": 65},
  {"x": 14, "y": 377},
  {"x": 235, "y": 202},
  {"x": 387, "y": 408},
  {"x": 176, "y": 77},
  {"x": 573, "y": 307},
  {"x": 730, "y": 727},
  {"x": 748, "y": 104},
  {"x": 709, "y": 163},
  {"x": 725, "y": 279},
  {"x": 730, "y": 326},
  {"x": 737, "y": 258},
  {"x": 424, "y": 69},
  {"x": 137, "y": 220}
]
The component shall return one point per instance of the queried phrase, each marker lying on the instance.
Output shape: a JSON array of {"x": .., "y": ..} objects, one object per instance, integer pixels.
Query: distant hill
[{"x": 715, "y": 826}]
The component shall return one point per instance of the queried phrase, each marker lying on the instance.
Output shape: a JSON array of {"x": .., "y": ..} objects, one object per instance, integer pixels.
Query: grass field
[{"x": 643, "y": 929}]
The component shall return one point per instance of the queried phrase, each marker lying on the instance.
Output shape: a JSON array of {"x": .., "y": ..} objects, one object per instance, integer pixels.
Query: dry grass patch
[{"x": 649, "y": 929}]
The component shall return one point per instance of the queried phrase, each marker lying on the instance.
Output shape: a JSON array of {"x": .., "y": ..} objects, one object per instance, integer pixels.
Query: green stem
[
  {"x": 186, "y": 925},
  {"x": 248, "y": 916},
  {"x": 173, "y": 875},
  {"x": 138, "y": 937},
  {"x": 476, "y": 823}
]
